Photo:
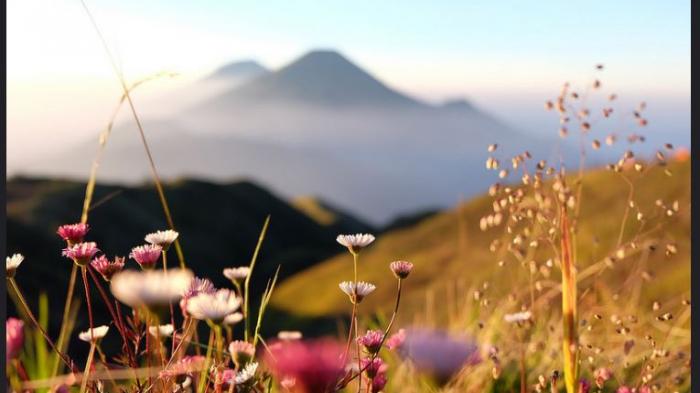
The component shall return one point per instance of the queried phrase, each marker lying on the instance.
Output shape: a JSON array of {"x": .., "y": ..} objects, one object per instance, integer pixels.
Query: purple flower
[
  {"x": 439, "y": 353},
  {"x": 373, "y": 367},
  {"x": 378, "y": 383}
]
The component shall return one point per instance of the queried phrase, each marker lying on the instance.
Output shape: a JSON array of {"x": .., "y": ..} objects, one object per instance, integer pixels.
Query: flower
[
  {"x": 146, "y": 255},
  {"x": 356, "y": 292},
  {"x": 12, "y": 263},
  {"x": 150, "y": 287},
  {"x": 401, "y": 269},
  {"x": 229, "y": 376},
  {"x": 106, "y": 267},
  {"x": 81, "y": 253},
  {"x": 372, "y": 341},
  {"x": 213, "y": 306},
  {"x": 439, "y": 353},
  {"x": 355, "y": 242},
  {"x": 73, "y": 233},
  {"x": 602, "y": 375},
  {"x": 187, "y": 365},
  {"x": 94, "y": 333},
  {"x": 373, "y": 367},
  {"x": 396, "y": 340},
  {"x": 241, "y": 352},
  {"x": 14, "y": 338},
  {"x": 286, "y": 335},
  {"x": 162, "y": 330},
  {"x": 314, "y": 366},
  {"x": 518, "y": 317},
  {"x": 378, "y": 383},
  {"x": 584, "y": 386},
  {"x": 233, "y": 318},
  {"x": 198, "y": 285},
  {"x": 623, "y": 389},
  {"x": 162, "y": 238},
  {"x": 237, "y": 274}
]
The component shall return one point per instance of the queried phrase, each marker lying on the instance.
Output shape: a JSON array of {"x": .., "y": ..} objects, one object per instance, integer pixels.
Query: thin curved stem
[
  {"x": 83, "y": 272},
  {"x": 29, "y": 313},
  {"x": 66, "y": 314}
]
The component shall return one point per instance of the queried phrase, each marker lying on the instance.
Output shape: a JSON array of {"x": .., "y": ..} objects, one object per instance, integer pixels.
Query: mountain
[
  {"x": 219, "y": 226},
  {"x": 331, "y": 217},
  {"x": 241, "y": 70},
  {"x": 321, "y": 126},
  {"x": 319, "y": 78},
  {"x": 446, "y": 256}
]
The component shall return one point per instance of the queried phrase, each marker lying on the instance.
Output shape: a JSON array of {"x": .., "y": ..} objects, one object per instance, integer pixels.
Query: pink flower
[
  {"x": 624, "y": 389},
  {"x": 106, "y": 267},
  {"x": 602, "y": 375},
  {"x": 81, "y": 253},
  {"x": 314, "y": 365},
  {"x": 73, "y": 233},
  {"x": 188, "y": 365},
  {"x": 241, "y": 352},
  {"x": 372, "y": 341},
  {"x": 14, "y": 338},
  {"x": 373, "y": 367},
  {"x": 198, "y": 285},
  {"x": 401, "y": 269},
  {"x": 644, "y": 389},
  {"x": 396, "y": 340},
  {"x": 146, "y": 255},
  {"x": 378, "y": 383}
]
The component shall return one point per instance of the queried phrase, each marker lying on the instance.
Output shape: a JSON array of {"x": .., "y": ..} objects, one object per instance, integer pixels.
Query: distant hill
[
  {"x": 320, "y": 125},
  {"x": 443, "y": 255},
  {"x": 219, "y": 226},
  {"x": 241, "y": 70},
  {"x": 331, "y": 217}
]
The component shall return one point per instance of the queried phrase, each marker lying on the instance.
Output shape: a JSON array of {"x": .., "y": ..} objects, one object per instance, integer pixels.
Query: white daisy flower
[
  {"x": 162, "y": 330},
  {"x": 237, "y": 274},
  {"x": 285, "y": 335},
  {"x": 12, "y": 263},
  {"x": 247, "y": 373},
  {"x": 150, "y": 287},
  {"x": 233, "y": 318},
  {"x": 162, "y": 238},
  {"x": 213, "y": 306},
  {"x": 97, "y": 333},
  {"x": 518, "y": 317},
  {"x": 363, "y": 289},
  {"x": 355, "y": 242}
]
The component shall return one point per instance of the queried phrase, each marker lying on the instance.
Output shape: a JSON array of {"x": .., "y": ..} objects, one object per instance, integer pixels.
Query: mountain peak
[
  {"x": 239, "y": 69},
  {"x": 322, "y": 77}
]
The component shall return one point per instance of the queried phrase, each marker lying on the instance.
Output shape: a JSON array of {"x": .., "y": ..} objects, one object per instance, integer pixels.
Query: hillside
[{"x": 445, "y": 255}]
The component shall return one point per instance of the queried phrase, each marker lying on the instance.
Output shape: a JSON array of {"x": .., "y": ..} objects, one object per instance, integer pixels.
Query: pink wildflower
[
  {"x": 602, "y": 375},
  {"x": 378, "y": 383},
  {"x": 14, "y": 338},
  {"x": 81, "y": 253},
  {"x": 73, "y": 233},
  {"x": 624, "y": 389},
  {"x": 396, "y": 340},
  {"x": 146, "y": 255},
  {"x": 372, "y": 341},
  {"x": 198, "y": 285},
  {"x": 401, "y": 269},
  {"x": 106, "y": 267},
  {"x": 188, "y": 365},
  {"x": 584, "y": 386},
  {"x": 373, "y": 367},
  {"x": 313, "y": 365}
]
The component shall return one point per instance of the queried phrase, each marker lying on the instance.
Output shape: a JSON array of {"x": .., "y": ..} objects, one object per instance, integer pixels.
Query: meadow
[{"x": 558, "y": 279}]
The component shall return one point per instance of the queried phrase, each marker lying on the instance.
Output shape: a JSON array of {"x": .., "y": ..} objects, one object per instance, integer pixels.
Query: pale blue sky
[{"x": 507, "y": 56}]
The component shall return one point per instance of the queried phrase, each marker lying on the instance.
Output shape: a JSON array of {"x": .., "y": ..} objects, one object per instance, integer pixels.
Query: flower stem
[
  {"x": 83, "y": 271},
  {"x": 569, "y": 313},
  {"x": 88, "y": 364},
  {"x": 29, "y": 313},
  {"x": 66, "y": 314}
]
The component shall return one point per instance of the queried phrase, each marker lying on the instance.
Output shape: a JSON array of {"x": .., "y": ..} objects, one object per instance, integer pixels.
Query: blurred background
[{"x": 332, "y": 118}]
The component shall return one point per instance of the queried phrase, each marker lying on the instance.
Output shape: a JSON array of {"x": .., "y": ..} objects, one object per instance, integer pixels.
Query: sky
[{"x": 505, "y": 56}]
